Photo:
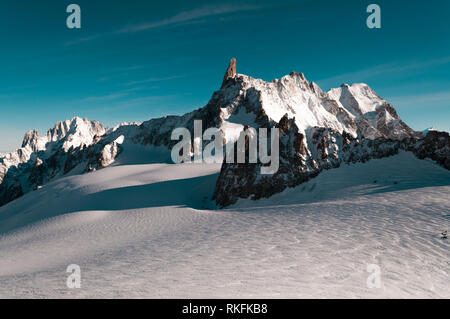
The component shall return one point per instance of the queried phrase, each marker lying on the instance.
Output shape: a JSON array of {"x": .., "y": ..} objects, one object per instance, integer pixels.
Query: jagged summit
[
  {"x": 74, "y": 132},
  {"x": 42, "y": 158},
  {"x": 231, "y": 71},
  {"x": 355, "y": 109}
]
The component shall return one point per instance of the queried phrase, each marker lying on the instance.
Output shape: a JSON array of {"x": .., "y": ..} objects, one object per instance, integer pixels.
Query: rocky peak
[
  {"x": 231, "y": 71},
  {"x": 75, "y": 132},
  {"x": 33, "y": 140}
]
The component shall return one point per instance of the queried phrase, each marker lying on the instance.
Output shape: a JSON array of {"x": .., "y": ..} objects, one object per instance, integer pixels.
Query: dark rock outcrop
[
  {"x": 328, "y": 149},
  {"x": 436, "y": 146}
]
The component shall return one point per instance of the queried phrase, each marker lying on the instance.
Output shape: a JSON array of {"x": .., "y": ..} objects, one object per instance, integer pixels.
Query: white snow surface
[
  {"x": 292, "y": 95},
  {"x": 339, "y": 109},
  {"x": 144, "y": 230},
  {"x": 357, "y": 98}
]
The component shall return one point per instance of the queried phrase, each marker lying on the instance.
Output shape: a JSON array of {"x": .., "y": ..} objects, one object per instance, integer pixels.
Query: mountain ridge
[{"x": 319, "y": 126}]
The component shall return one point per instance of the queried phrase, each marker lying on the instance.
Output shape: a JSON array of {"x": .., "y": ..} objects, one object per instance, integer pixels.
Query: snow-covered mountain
[
  {"x": 42, "y": 158},
  {"x": 352, "y": 190},
  {"x": 320, "y": 130}
]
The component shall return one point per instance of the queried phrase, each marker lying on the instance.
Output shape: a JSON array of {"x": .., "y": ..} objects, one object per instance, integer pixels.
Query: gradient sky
[{"x": 135, "y": 60}]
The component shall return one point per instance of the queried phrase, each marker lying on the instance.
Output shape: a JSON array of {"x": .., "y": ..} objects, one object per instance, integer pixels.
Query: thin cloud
[
  {"x": 140, "y": 101},
  {"x": 186, "y": 16},
  {"x": 182, "y": 18},
  {"x": 86, "y": 39},
  {"x": 120, "y": 72},
  {"x": 155, "y": 79},
  {"x": 383, "y": 69},
  {"x": 113, "y": 96},
  {"x": 424, "y": 100}
]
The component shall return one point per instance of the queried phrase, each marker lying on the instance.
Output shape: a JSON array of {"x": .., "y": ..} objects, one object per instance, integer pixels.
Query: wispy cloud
[
  {"x": 423, "y": 110},
  {"x": 108, "y": 97},
  {"x": 120, "y": 72},
  {"x": 113, "y": 96},
  {"x": 441, "y": 98},
  {"x": 86, "y": 39},
  {"x": 180, "y": 19},
  {"x": 186, "y": 16},
  {"x": 153, "y": 100},
  {"x": 154, "y": 79},
  {"x": 383, "y": 69}
]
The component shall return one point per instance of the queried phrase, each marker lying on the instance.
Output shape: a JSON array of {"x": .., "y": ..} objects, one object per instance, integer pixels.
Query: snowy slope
[
  {"x": 141, "y": 231},
  {"x": 358, "y": 98}
]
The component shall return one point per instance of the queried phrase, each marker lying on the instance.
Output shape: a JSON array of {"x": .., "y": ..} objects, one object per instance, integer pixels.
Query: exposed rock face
[
  {"x": 436, "y": 146},
  {"x": 327, "y": 149},
  {"x": 231, "y": 71},
  {"x": 244, "y": 180}
]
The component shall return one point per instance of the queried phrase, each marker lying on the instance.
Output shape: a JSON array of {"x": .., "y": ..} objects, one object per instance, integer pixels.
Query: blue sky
[{"x": 135, "y": 60}]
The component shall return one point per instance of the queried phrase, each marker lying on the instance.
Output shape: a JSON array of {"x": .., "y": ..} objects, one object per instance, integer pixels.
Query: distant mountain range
[{"x": 319, "y": 130}]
